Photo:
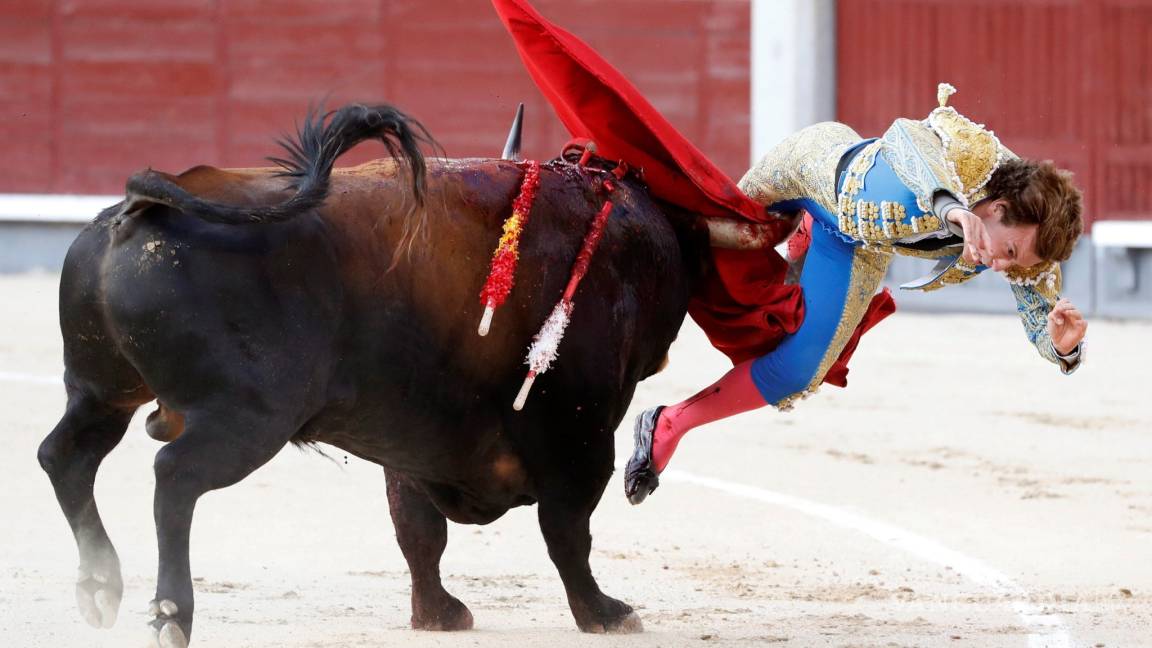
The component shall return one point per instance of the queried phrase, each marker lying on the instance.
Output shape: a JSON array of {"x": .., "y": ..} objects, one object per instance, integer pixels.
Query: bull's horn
[
  {"x": 731, "y": 234},
  {"x": 512, "y": 146}
]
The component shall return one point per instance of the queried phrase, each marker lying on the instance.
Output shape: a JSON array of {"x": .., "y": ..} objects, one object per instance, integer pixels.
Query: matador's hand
[
  {"x": 1066, "y": 326},
  {"x": 977, "y": 244}
]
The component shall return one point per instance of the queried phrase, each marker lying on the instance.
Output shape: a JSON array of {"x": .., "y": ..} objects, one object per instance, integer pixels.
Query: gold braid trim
[
  {"x": 1044, "y": 277},
  {"x": 789, "y": 403},
  {"x": 857, "y": 218}
]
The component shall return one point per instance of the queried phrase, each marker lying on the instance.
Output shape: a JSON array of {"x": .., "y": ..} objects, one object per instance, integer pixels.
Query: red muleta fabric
[{"x": 744, "y": 307}]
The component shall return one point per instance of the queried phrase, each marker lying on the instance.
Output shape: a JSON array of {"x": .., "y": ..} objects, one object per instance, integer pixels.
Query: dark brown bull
[{"x": 261, "y": 308}]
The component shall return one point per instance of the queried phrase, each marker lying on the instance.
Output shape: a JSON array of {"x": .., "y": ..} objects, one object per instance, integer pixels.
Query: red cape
[{"x": 744, "y": 307}]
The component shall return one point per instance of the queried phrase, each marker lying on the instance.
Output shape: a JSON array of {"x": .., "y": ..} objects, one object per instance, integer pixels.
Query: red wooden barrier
[
  {"x": 93, "y": 90},
  {"x": 1069, "y": 80}
]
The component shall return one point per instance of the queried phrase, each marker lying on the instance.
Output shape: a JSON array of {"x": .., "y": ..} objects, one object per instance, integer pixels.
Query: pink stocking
[{"x": 734, "y": 393}]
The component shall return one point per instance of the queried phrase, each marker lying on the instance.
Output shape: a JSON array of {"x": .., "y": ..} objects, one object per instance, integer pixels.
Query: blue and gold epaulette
[
  {"x": 944, "y": 152},
  {"x": 972, "y": 151}
]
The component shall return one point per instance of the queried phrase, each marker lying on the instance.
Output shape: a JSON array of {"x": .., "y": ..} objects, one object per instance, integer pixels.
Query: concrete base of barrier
[
  {"x": 36, "y": 229},
  {"x": 1110, "y": 274}
]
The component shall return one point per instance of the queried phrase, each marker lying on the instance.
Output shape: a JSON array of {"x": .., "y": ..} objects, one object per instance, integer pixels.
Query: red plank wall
[
  {"x": 92, "y": 90},
  {"x": 1068, "y": 80}
]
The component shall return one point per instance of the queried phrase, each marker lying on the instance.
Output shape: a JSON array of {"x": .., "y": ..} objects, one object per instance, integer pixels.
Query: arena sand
[{"x": 952, "y": 429}]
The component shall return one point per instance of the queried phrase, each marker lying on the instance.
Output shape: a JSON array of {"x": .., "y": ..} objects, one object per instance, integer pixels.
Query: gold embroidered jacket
[{"x": 886, "y": 196}]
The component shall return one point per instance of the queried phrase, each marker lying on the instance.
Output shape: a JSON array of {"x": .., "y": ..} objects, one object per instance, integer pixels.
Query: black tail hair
[{"x": 321, "y": 139}]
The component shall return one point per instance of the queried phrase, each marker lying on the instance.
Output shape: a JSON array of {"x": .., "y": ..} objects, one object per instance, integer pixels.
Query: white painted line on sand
[
  {"x": 1044, "y": 630},
  {"x": 8, "y": 376}
]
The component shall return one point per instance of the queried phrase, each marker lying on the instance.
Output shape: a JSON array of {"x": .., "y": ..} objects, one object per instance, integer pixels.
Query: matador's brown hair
[{"x": 1039, "y": 193}]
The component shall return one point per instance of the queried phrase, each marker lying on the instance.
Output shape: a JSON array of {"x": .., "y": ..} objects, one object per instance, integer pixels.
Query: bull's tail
[{"x": 322, "y": 139}]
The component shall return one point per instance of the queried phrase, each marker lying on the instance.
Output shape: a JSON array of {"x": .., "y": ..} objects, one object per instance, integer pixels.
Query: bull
[{"x": 307, "y": 304}]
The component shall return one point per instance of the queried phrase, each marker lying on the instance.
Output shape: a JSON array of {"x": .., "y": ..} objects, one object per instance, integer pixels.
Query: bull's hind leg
[
  {"x": 70, "y": 455},
  {"x": 422, "y": 533},
  {"x": 564, "y": 523},
  {"x": 217, "y": 449}
]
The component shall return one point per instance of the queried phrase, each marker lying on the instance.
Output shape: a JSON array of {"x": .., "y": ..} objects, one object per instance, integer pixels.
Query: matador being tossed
[{"x": 943, "y": 188}]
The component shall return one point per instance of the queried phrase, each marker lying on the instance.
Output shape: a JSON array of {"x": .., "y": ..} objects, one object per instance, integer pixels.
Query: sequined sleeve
[
  {"x": 1035, "y": 298},
  {"x": 803, "y": 165}
]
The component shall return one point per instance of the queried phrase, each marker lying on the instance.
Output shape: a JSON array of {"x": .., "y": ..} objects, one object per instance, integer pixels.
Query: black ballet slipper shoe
[{"x": 640, "y": 476}]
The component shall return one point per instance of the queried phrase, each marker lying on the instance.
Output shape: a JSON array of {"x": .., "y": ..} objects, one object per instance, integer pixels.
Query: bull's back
[{"x": 419, "y": 308}]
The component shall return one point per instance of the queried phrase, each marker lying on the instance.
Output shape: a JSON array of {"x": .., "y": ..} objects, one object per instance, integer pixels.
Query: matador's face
[{"x": 1011, "y": 245}]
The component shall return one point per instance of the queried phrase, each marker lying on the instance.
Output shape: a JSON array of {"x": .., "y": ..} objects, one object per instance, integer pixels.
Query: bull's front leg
[
  {"x": 422, "y": 533},
  {"x": 564, "y": 524}
]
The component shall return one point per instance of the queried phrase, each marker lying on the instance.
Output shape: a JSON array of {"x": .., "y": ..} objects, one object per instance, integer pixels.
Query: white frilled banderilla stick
[{"x": 547, "y": 340}]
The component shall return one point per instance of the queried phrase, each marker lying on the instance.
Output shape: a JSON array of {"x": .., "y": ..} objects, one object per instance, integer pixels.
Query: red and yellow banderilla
[{"x": 502, "y": 274}]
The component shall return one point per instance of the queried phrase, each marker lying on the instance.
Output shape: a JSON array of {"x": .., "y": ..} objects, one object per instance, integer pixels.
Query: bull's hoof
[
  {"x": 449, "y": 615},
  {"x": 171, "y": 636},
  {"x": 166, "y": 630},
  {"x": 98, "y": 597},
  {"x": 629, "y": 624},
  {"x": 614, "y": 617}
]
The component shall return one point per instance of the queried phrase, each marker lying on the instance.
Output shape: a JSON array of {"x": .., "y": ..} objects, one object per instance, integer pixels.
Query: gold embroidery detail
[
  {"x": 892, "y": 219},
  {"x": 866, "y": 220},
  {"x": 867, "y": 216},
  {"x": 973, "y": 151},
  {"x": 1044, "y": 277},
  {"x": 801, "y": 166},
  {"x": 846, "y": 216},
  {"x": 788, "y": 403},
  {"x": 856, "y": 218},
  {"x": 926, "y": 223}
]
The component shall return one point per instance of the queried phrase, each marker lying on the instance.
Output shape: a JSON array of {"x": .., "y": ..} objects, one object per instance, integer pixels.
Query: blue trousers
[{"x": 839, "y": 279}]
